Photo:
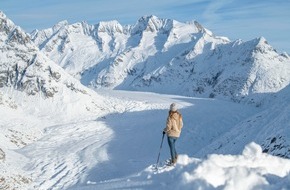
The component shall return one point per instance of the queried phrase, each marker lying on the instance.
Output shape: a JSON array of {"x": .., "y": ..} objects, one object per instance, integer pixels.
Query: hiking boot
[
  {"x": 174, "y": 161},
  {"x": 171, "y": 162}
]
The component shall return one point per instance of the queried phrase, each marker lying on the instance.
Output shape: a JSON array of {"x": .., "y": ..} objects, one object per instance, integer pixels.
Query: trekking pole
[{"x": 159, "y": 151}]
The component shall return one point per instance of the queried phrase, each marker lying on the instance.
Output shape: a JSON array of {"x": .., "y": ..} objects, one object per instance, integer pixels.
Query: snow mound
[
  {"x": 252, "y": 150},
  {"x": 250, "y": 170}
]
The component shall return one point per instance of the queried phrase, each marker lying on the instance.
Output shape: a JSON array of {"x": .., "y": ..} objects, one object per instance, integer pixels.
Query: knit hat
[{"x": 173, "y": 107}]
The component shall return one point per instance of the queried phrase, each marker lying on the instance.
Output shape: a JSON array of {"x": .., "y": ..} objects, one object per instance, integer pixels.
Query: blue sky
[{"x": 235, "y": 19}]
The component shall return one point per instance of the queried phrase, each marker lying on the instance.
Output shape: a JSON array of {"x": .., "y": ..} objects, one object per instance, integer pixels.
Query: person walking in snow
[{"x": 173, "y": 128}]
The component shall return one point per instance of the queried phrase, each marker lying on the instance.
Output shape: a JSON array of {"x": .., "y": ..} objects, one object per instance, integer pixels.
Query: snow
[
  {"x": 240, "y": 171},
  {"x": 58, "y": 134},
  {"x": 118, "y": 150}
]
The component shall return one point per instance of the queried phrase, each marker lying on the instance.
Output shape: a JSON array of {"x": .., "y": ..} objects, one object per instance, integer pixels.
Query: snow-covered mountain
[
  {"x": 166, "y": 56},
  {"x": 26, "y": 74},
  {"x": 58, "y": 134}
]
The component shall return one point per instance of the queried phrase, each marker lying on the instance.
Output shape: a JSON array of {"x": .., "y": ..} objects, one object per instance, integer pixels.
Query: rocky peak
[
  {"x": 152, "y": 24},
  {"x": 6, "y": 25},
  {"x": 24, "y": 67},
  {"x": 12, "y": 33},
  {"x": 110, "y": 27},
  {"x": 199, "y": 27},
  {"x": 60, "y": 25},
  {"x": 262, "y": 46}
]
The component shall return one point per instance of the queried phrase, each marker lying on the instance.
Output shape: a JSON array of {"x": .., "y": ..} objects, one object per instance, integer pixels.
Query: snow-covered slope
[
  {"x": 27, "y": 75},
  {"x": 166, "y": 56},
  {"x": 33, "y": 90},
  {"x": 270, "y": 128}
]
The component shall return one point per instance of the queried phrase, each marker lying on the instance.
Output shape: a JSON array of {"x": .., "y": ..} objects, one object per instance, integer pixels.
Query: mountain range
[{"x": 166, "y": 56}]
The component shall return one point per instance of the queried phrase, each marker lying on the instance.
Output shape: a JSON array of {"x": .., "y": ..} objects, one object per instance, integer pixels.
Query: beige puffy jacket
[{"x": 174, "y": 124}]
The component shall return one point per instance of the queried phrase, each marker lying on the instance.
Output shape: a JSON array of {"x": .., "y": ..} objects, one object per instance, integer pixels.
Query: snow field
[
  {"x": 62, "y": 156},
  {"x": 117, "y": 148}
]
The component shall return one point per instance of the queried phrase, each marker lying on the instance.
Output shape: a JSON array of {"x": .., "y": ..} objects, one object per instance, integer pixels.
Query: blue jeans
[{"x": 171, "y": 143}]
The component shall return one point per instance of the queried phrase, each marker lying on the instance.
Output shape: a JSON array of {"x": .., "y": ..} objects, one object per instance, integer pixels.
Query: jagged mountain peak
[
  {"x": 152, "y": 24},
  {"x": 62, "y": 28},
  {"x": 262, "y": 39},
  {"x": 3, "y": 16},
  {"x": 199, "y": 26},
  {"x": 60, "y": 25},
  {"x": 12, "y": 33},
  {"x": 259, "y": 41},
  {"x": 26, "y": 72},
  {"x": 110, "y": 27},
  {"x": 6, "y": 25},
  {"x": 261, "y": 46},
  {"x": 148, "y": 18}
]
